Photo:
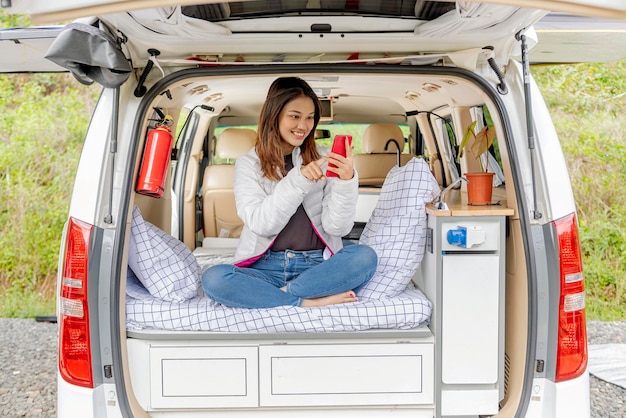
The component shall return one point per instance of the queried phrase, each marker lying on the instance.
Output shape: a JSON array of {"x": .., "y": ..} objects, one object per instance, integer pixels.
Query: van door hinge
[
  {"x": 501, "y": 87},
  {"x": 108, "y": 371}
]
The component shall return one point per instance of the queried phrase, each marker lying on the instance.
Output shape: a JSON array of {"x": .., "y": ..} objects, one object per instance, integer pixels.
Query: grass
[
  {"x": 588, "y": 106},
  {"x": 28, "y": 302},
  {"x": 42, "y": 123}
]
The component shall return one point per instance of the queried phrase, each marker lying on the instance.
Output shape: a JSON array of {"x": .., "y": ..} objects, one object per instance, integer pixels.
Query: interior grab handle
[{"x": 397, "y": 148}]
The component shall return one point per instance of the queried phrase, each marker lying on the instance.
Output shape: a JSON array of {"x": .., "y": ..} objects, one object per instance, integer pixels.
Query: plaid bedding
[
  {"x": 405, "y": 311},
  {"x": 144, "y": 311}
]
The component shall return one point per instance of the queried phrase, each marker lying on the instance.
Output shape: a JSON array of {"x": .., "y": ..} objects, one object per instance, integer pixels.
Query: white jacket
[{"x": 265, "y": 206}]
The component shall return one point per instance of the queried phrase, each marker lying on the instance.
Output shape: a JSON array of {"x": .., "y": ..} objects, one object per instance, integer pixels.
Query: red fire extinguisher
[{"x": 156, "y": 160}]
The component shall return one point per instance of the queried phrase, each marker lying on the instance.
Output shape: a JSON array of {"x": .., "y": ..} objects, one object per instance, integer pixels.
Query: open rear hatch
[
  {"x": 47, "y": 11},
  {"x": 229, "y": 31}
]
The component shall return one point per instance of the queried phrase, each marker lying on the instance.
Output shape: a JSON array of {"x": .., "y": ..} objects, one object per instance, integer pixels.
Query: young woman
[{"x": 290, "y": 251}]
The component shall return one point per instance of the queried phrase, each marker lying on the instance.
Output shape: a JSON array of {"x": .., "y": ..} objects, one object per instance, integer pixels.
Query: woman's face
[{"x": 295, "y": 122}]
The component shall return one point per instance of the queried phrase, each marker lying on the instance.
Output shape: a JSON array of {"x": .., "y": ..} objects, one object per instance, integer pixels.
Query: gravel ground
[
  {"x": 607, "y": 400},
  {"x": 28, "y": 350},
  {"x": 28, "y": 385}
]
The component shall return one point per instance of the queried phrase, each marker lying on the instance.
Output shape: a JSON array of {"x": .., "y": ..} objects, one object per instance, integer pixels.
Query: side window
[
  {"x": 494, "y": 150},
  {"x": 444, "y": 130},
  {"x": 183, "y": 140},
  {"x": 454, "y": 144},
  {"x": 493, "y": 158}
]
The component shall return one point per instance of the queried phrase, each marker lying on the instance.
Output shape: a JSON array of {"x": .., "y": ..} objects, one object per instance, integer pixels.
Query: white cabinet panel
[
  {"x": 470, "y": 319},
  {"x": 367, "y": 374},
  {"x": 464, "y": 277},
  {"x": 203, "y": 377}
]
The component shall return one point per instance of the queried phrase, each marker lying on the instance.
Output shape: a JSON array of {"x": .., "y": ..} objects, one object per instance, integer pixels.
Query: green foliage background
[
  {"x": 42, "y": 123},
  {"x": 588, "y": 106},
  {"x": 43, "y": 119}
]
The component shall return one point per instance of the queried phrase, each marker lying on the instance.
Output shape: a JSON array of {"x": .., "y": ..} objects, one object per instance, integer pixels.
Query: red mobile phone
[{"x": 339, "y": 147}]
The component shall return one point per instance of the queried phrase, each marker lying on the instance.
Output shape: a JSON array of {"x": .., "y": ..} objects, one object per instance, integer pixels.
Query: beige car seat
[
  {"x": 219, "y": 209},
  {"x": 375, "y": 162}
]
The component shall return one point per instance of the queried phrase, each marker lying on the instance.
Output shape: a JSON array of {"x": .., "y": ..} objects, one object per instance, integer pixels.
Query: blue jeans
[{"x": 304, "y": 274}]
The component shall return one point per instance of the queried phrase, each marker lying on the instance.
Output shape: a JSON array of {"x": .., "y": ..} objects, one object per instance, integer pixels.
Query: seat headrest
[
  {"x": 234, "y": 142},
  {"x": 376, "y": 136}
]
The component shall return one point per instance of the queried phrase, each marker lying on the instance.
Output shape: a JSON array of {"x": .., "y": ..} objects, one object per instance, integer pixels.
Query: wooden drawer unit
[
  {"x": 203, "y": 377},
  {"x": 346, "y": 374},
  {"x": 373, "y": 371}
]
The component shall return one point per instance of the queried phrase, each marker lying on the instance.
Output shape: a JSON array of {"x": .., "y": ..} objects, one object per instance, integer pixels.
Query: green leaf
[
  {"x": 469, "y": 132},
  {"x": 483, "y": 141}
]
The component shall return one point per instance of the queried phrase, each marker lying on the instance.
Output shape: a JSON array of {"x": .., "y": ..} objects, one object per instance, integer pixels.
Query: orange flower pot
[{"x": 479, "y": 188}]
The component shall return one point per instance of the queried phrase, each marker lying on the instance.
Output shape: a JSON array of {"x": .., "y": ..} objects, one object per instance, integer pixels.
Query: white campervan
[{"x": 484, "y": 314}]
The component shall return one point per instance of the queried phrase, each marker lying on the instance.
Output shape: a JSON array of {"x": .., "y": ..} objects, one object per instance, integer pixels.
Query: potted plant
[{"x": 479, "y": 184}]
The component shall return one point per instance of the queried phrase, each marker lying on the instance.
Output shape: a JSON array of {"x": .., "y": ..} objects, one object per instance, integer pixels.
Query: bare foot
[{"x": 344, "y": 297}]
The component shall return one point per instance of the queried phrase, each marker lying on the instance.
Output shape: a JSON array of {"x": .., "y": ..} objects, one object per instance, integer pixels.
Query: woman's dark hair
[{"x": 268, "y": 142}]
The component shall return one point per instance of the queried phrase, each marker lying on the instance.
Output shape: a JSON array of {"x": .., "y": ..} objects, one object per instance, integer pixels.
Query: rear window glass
[{"x": 420, "y": 9}]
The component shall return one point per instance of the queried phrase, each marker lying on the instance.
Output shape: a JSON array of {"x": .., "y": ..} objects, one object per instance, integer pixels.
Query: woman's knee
[
  {"x": 363, "y": 255},
  {"x": 213, "y": 277}
]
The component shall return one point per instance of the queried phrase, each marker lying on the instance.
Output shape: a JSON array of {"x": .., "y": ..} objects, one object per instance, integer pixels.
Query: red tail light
[
  {"x": 571, "y": 359},
  {"x": 74, "y": 341}
]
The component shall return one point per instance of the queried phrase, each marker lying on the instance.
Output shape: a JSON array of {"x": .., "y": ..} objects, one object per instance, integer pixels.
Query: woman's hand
[
  {"x": 345, "y": 168},
  {"x": 313, "y": 170}
]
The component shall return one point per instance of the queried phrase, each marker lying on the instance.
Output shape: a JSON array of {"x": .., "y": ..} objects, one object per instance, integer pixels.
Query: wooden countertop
[{"x": 457, "y": 206}]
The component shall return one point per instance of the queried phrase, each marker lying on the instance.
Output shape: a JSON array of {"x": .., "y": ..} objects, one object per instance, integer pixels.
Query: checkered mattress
[{"x": 143, "y": 311}]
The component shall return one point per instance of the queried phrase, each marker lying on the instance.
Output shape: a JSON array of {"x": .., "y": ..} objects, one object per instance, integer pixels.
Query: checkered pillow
[
  {"x": 161, "y": 263},
  {"x": 396, "y": 229}
]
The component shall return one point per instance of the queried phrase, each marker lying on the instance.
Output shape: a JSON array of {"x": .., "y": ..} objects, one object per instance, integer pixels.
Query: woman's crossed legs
[{"x": 292, "y": 278}]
